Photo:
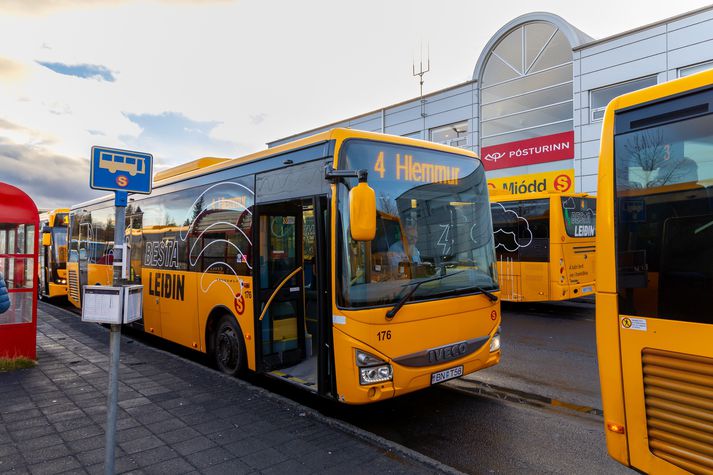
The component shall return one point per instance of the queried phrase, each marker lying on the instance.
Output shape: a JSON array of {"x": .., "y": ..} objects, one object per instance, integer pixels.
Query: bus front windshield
[
  {"x": 433, "y": 225},
  {"x": 59, "y": 245}
]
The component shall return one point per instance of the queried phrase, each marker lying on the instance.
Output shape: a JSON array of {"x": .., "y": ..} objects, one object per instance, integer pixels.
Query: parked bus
[
  {"x": 544, "y": 243},
  {"x": 266, "y": 262},
  {"x": 655, "y": 272},
  {"x": 53, "y": 253}
]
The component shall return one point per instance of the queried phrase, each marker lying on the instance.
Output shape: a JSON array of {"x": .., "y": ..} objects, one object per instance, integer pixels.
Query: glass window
[
  {"x": 545, "y": 115},
  {"x": 696, "y": 68},
  {"x": 526, "y": 83},
  {"x": 528, "y": 101},
  {"x": 433, "y": 222},
  {"x": 599, "y": 98},
  {"x": 664, "y": 219},
  {"x": 455, "y": 135},
  {"x": 18, "y": 272},
  {"x": 522, "y": 230},
  {"x": 579, "y": 216},
  {"x": 20, "y": 310},
  {"x": 30, "y": 239}
]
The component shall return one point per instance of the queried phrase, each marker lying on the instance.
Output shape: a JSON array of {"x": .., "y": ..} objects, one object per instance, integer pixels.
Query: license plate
[
  {"x": 446, "y": 374},
  {"x": 586, "y": 289}
]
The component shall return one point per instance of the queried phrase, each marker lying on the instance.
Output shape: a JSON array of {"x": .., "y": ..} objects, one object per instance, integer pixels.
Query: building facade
[{"x": 535, "y": 104}]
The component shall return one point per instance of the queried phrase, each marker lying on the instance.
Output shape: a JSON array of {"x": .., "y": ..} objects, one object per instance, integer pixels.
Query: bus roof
[{"x": 207, "y": 165}]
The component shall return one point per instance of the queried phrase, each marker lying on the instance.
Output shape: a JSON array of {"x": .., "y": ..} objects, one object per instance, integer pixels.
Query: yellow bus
[
  {"x": 544, "y": 244},
  {"x": 53, "y": 253},
  {"x": 654, "y": 274},
  {"x": 255, "y": 261}
]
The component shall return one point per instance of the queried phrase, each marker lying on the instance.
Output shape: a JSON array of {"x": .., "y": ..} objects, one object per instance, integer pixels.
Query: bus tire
[{"x": 228, "y": 347}]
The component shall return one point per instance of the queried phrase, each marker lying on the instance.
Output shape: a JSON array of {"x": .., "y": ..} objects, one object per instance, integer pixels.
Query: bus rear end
[
  {"x": 415, "y": 306},
  {"x": 655, "y": 277},
  {"x": 572, "y": 252}
]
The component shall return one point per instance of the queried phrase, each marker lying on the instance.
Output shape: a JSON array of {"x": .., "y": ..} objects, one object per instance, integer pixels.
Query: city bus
[
  {"x": 654, "y": 273},
  {"x": 273, "y": 263},
  {"x": 544, "y": 244},
  {"x": 53, "y": 253}
]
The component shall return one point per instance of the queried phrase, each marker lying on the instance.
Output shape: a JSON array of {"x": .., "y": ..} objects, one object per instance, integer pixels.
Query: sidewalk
[{"x": 174, "y": 416}]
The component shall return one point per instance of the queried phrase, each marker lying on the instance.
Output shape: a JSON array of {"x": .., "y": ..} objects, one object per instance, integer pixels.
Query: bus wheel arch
[{"x": 225, "y": 342}]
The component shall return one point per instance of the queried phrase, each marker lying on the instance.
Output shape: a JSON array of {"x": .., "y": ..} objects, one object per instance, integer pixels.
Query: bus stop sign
[{"x": 121, "y": 170}]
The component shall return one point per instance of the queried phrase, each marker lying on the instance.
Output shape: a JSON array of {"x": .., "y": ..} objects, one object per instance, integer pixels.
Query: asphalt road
[
  {"x": 548, "y": 349},
  {"x": 481, "y": 435}
]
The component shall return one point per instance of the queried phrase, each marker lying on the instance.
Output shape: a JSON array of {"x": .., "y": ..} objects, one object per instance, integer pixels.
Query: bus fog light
[
  {"x": 375, "y": 374},
  {"x": 495, "y": 343}
]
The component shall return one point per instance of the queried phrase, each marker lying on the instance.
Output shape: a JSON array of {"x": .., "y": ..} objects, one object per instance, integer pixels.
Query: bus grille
[
  {"x": 73, "y": 285},
  {"x": 679, "y": 408}
]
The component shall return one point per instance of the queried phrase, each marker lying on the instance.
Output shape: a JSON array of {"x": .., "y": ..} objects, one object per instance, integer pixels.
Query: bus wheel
[{"x": 228, "y": 346}]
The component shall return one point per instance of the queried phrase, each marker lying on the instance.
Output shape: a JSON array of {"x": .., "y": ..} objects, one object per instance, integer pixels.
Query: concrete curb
[
  {"x": 366, "y": 436},
  {"x": 514, "y": 395}
]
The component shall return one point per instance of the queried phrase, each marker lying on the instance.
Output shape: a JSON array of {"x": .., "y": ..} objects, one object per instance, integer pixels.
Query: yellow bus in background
[
  {"x": 253, "y": 261},
  {"x": 545, "y": 244},
  {"x": 53, "y": 253},
  {"x": 655, "y": 275}
]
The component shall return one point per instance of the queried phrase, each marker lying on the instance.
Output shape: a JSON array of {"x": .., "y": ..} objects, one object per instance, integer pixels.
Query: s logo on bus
[{"x": 239, "y": 303}]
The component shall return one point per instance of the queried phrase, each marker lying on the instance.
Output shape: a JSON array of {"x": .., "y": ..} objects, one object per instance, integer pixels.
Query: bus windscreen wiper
[
  {"x": 392, "y": 313},
  {"x": 487, "y": 293},
  {"x": 491, "y": 296}
]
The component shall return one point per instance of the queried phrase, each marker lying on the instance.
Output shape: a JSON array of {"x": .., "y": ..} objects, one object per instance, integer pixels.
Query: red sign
[{"x": 549, "y": 148}]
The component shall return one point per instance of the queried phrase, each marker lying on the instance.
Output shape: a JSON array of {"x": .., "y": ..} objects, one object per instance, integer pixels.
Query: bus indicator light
[{"x": 616, "y": 428}]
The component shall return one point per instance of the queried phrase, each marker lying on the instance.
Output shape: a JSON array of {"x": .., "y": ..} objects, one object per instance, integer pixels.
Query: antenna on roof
[{"x": 421, "y": 72}]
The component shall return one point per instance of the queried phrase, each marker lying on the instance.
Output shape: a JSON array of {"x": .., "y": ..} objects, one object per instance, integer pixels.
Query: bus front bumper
[{"x": 405, "y": 379}]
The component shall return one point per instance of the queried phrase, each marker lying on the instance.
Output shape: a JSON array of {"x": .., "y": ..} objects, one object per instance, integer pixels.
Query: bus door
[
  {"x": 664, "y": 239},
  {"x": 85, "y": 243},
  {"x": 280, "y": 301}
]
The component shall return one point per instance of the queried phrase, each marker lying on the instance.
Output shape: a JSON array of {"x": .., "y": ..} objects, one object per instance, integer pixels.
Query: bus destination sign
[{"x": 404, "y": 167}]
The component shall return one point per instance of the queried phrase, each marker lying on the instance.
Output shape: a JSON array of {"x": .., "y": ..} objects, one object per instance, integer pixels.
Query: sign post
[{"x": 120, "y": 171}]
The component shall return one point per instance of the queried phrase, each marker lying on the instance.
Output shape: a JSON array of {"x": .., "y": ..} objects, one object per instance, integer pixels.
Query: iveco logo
[
  {"x": 494, "y": 156},
  {"x": 446, "y": 353}
]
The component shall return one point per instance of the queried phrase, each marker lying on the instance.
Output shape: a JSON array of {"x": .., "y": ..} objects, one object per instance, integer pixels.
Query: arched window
[{"x": 526, "y": 85}]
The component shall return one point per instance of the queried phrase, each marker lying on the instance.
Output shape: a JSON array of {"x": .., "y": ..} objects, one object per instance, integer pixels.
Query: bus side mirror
[
  {"x": 46, "y": 238},
  {"x": 362, "y": 211}
]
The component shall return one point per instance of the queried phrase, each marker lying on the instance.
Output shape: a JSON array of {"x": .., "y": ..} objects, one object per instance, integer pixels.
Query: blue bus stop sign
[{"x": 121, "y": 170}]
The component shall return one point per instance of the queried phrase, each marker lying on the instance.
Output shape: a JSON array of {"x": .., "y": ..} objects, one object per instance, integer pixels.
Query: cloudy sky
[{"x": 183, "y": 79}]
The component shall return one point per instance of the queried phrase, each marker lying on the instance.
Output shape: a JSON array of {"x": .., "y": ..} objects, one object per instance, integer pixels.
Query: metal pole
[{"x": 115, "y": 337}]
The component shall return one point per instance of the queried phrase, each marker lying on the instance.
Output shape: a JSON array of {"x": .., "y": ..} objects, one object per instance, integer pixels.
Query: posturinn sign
[{"x": 560, "y": 181}]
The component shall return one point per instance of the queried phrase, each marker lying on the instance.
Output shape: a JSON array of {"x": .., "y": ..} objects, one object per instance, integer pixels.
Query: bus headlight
[
  {"x": 495, "y": 342},
  {"x": 62, "y": 281},
  {"x": 372, "y": 369}
]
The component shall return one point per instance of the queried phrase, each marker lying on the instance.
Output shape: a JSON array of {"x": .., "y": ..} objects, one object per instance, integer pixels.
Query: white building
[{"x": 539, "y": 90}]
